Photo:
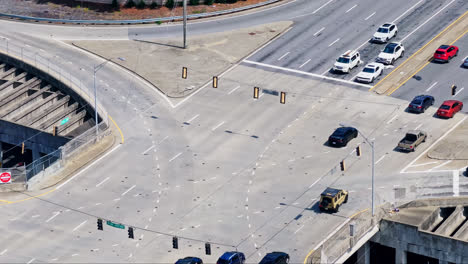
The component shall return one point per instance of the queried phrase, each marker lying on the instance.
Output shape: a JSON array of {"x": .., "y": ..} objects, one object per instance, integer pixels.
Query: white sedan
[{"x": 370, "y": 72}]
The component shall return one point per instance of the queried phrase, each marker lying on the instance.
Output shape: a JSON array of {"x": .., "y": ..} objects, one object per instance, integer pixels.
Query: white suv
[
  {"x": 385, "y": 33},
  {"x": 391, "y": 53},
  {"x": 346, "y": 62},
  {"x": 370, "y": 72}
]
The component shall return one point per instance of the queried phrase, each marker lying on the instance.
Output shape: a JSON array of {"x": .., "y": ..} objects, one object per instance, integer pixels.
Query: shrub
[
  {"x": 115, "y": 4},
  {"x": 130, "y": 4},
  {"x": 209, "y": 2},
  {"x": 153, "y": 5},
  {"x": 169, "y": 3},
  {"x": 231, "y": 1},
  {"x": 141, "y": 4},
  {"x": 194, "y": 2}
]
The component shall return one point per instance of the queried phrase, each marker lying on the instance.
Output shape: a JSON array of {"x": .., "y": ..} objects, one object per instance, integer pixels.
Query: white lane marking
[
  {"x": 115, "y": 245},
  {"x": 175, "y": 157},
  {"x": 407, "y": 11},
  {"x": 237, "y": 87},
  {"x": 33, "y": 259},
  {"x": 99, "y": 184},
  {"x": 416, "y": 128},
  {"x": 305, "y": 63},
  {"x": 393, "y": 118},
  {"x": 78, "y": 226},
  {"x": 4, "y": 38},
  {"x": 50, "y": 219},
  {"x": 456, "y": 183},
  {"x": 331, "y": 44},
  {"x": 318, "y": 32},
  {"x": 286, "y": 54},
  {"x": 129, "y": 189},
  {"x": 96, "y": 249},
  {"x": 325, "y": 72},
  {"x": 89, "y": 166},
  {"x": 424, "y": 164},
  {"x": 295, "y": 232},
  {"x": 430, "y": 87},
  {"x": 116, "y": 199},
  {"x": 220, "y": 124},
  {"x": 351, "y": 8},
  {"x": 163, "y": 139},
  {"x": 3, "y": 252},
  {"x": 146, "y": 151},
  {"x": 74, "y": 255},
  {"x": 306, "y": 73},
  {"x": 425, "y": 22},
  {"x": 371, "y": 15},
  {"x": 261, "y": 94},
  {"x": 433, "y": 144},
  {"x": 193, "y": 118},
  {"x": 441, "y": 165},
  {"x": 459, "y": 91},
  {"x": 380, "y": 159},
  {"x": 34, "y": 216},
  {"x": 324, "y": 5}
]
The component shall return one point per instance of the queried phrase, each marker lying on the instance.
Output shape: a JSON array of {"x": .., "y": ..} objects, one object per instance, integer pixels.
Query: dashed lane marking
[
  {"x": 351, "y": 8},
  {"x": 99, "y": 184},
  {"x": 78, "y": 226},
  {"x": 331, "y": 44},
  {"x": 316, "y": 33},
  {"x": 175, "y": 157},
  {"x": 129, "y": 189},
  {"x": 430, "y": 87},
  {"x": 52, "y": 217},
  {"x": 371, "y": 15},
  {"x": 282, "y": 57}
]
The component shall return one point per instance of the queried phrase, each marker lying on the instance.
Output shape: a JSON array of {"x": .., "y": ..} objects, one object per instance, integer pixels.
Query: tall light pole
[
  {"x": 96, "y": 69},
  {"x": 372, "y": 144},
  {"x": 185, "y": 24}
]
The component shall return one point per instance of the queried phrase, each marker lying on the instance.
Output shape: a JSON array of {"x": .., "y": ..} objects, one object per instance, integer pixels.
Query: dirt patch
[{"x": 72, "y": 9}]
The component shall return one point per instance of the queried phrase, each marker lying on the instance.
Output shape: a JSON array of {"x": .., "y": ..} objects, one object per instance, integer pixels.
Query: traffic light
[
  {"x": 184, "y": 72},
  {"x": 342, "y": 165},
  {"x": 215, "y": 81},
  {"x": 454, "y": 89},
  {"x": 175, "y": 243},
  {"x": 256, "y": 92},
  {"x": 283, "y": 98},
  {"x": 208, "y": 248},
  {"x": 130, "y": 233},
  {"x": 358, "y": 151},
  {"x": 99, "y": 224}
]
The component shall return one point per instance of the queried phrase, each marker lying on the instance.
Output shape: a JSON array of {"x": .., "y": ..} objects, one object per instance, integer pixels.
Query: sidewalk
[{"x": 160, "y": 61}]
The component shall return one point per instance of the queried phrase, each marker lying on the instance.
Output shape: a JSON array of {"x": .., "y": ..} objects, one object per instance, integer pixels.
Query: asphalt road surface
[{"x": 221, "y": 167}]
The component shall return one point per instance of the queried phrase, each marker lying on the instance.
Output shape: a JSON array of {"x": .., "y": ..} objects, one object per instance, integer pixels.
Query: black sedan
[
  {"x": 420, "y": 103},
  {"x": 342, "y": 136},
  {"x": 189, "y": 260},
  {"x": 465, "y": 63},
  {"x": 275, "y": 258}
]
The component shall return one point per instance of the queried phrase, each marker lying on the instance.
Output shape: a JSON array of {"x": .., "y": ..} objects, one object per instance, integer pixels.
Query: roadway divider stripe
[
  {"x": 118, "y": 128},
  {"x": 304, "y": 73},
  {"x": 425, "y": 45}
]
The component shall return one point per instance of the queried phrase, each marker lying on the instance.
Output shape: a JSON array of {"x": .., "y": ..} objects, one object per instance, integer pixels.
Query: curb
[{"x": 139, "y": 21}]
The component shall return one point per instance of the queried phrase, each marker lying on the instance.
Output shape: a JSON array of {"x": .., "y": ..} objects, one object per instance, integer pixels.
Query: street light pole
[
  {"x": 185, "y": 24},
  {"x": 95, "y": 102},
  {"x": 372, "y": 144},
  {"x": 373, "y": 174}
]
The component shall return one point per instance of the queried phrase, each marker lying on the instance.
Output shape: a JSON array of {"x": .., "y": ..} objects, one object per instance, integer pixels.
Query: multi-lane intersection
[{"x": 223, "y": 168}]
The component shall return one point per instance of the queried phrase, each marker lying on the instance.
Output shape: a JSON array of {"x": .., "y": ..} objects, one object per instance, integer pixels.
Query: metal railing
[
  {"x": 54, "y": 68},
  {"x": 141, "y": 21}
]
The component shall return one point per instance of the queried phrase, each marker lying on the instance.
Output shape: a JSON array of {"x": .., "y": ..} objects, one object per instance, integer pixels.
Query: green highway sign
[
  {"x": 115, "y": 224},
  {"x": 64, "y": 121}
]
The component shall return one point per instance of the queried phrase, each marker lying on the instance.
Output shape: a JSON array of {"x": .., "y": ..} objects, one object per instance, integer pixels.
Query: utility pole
[{"x": 185, "y": 24}]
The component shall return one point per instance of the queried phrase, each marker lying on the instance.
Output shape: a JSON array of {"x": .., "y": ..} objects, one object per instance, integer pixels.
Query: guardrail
[{"x": 140, "y": 21}]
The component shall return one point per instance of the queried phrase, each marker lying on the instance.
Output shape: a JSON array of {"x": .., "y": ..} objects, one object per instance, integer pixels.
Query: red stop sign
[{"x": 5, "y": 177}]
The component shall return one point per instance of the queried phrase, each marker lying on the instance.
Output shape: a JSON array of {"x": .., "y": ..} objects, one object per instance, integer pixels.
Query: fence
[{"x": 51, "y": 70}]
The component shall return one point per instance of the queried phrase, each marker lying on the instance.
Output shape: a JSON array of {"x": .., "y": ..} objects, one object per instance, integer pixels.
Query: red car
[
  {"x": 445, "y": 53},
  {"x": 449, "y": 108}
]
